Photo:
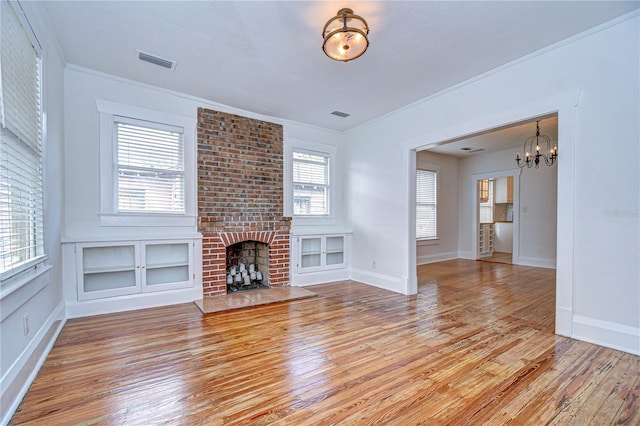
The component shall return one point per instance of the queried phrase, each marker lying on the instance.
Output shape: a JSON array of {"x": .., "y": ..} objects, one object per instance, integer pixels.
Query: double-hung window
[
  {"x": 21, "y": 211},
  {"x": 311, "y": 186},
  {"x": 150, "y": 167},
  {"x": 426, "y": 205},
  {"x": 486, "y": 186},
  {"x": 147, "y": 167}
]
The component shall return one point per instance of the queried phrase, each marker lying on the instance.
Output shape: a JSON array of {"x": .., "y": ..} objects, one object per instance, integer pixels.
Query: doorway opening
[{"x": 499, "y": 212}]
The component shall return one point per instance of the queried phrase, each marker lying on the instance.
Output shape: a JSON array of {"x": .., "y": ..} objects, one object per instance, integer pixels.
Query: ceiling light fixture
[
  {"x": 550, "y": 154},
  {"x": 345, "y": 36}
]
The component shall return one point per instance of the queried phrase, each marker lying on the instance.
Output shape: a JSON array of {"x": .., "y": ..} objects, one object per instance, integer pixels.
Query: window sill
[
  {"x": 17, "y": 290},
  {"x": 312, "y": 220},
  {"x": 111, "y": 219},
  {"x": 429, "y": 242}
]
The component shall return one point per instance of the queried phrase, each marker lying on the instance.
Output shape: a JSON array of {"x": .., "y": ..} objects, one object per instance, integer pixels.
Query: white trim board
[
  {"x": 386, "y": 282},
  {"x": 321, "y": 277},
  {"x": 18, "y": 378},
  {"x": 133, "y": 302},
  {"x": 608, "y": 334},
  {"x": 537, "y": 262},
  {"x": 439, "y": 257}
]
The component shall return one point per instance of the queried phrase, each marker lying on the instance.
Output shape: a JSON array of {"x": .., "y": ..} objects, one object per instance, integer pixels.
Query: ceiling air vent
[
  {"x": 156, "y": 60},
  {"x": 340, "y": 114},
  {"x": 471, "y": 150}
]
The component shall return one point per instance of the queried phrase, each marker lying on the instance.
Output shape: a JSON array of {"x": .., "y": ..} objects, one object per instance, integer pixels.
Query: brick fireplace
[{"x": 240, "y": 195}]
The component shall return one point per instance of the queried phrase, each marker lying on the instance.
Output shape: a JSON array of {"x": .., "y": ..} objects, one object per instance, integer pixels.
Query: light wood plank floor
[
  {"x": 476, "y": 346},
  {"x": 498, "y": 257}
]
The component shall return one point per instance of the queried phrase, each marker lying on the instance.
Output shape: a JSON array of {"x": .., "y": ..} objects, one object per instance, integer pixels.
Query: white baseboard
[
  {"x": 23, "y": 371},
  {"x": 466, "y": 255},
  {"x": 375, "y": 279},
  {"x": 564, "y": 319},
  {"x": 537, "y": 262},
  {"x": 132, "y": 302},
  {"x": 320, "y": 277},
  {"x": 620, "y": 337},
  {"x": 440, "y": 257}
]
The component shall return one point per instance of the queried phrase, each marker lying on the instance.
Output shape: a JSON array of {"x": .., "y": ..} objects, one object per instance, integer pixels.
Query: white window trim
[
  {"x": 436, "y": 169},
  {"x": 330, "y": 151},
  {"x": 108, "y": 212}
]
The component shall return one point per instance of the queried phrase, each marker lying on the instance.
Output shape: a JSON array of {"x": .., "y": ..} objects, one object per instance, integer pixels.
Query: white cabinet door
[
  {"x": 107, "y": 270},
  {"x": 166, "y": 265},
  {"x": 321, "y": 252},
  {"x": 334, "y": 252},
  {"x": 310, "y": 258}
]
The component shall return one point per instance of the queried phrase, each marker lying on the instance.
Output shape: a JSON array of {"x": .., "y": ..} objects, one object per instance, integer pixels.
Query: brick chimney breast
[{"x": 240, "y": 193}]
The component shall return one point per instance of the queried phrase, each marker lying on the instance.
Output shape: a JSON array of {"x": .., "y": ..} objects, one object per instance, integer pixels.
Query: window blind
[
  {"x": 486, "y": 207},
  {"x": 310, "y": 184},
  {"x": 426, "y": 204},
  {"x": 21, "y": 212},
  {"x": 150, "y": 166}
]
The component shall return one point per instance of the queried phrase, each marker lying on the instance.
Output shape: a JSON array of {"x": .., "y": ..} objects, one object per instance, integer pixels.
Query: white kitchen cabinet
[
  {"x": 504, "y": 190},
  {"x": 503, "y": 237},
  {"x": 119, "y": 268}
]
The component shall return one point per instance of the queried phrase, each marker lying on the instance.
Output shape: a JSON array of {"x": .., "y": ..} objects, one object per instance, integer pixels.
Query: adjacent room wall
[
  {"x": 598, "y": 292},
  {"x": 40, "y": 299},
  {"x": 537, "y": 216},
  {"x": 446, "y": 246}
]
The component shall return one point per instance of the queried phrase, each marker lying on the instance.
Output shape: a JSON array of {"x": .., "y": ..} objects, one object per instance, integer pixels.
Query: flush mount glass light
[{"x": 345, "y": 36}]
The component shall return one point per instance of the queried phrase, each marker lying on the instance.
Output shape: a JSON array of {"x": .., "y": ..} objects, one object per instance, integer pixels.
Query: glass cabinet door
[
  {"x": 321, "y": 252},
  {"x": 166, "y": 263},
  {"x": 335, "y": 250},
  {"x": 311, "y": 252},
  {"x": 107, "y": 271}
]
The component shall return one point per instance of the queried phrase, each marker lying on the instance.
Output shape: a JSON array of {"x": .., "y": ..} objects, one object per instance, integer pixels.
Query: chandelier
[
  {"x": 549, "y": 154},
  {"x": 345, "y": 36}
]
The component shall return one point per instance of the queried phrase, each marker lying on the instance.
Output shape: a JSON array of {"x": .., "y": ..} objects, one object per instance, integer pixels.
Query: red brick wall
[{"x": 240, "y": 193}]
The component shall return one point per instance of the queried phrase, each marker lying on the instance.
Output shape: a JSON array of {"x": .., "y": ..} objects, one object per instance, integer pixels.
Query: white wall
[
  {"x": 598, "y": 296},
  {"x": 537, "y": 217},
  {"x": 446, "y": 246},
  {"x": 82, "y": 202},
  {"x": 40, "y": 299}
]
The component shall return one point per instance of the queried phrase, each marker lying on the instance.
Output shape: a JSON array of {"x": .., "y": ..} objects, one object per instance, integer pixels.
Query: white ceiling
[
  {"x": 266, "y": 56},
  {"x": 500, "y": 139}
]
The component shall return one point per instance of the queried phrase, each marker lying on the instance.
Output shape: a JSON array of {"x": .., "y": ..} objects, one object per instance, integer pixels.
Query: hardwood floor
[
  {"x": 498, "y": 257},
  {"x": 475, "y": 346}
]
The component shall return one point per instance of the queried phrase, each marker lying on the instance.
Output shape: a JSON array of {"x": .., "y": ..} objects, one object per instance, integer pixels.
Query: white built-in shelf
[
  {"x": 167, "y": 265},
  {"x": 118, "y": 268},
  {"x": 108, "y": 269}
]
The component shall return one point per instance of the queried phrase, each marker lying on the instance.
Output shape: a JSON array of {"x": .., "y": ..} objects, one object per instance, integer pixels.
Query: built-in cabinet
[
  {"x": 322, "y": 252},
  {"x": 319, "y": 257},
  {"x": 121, "y": 268},
  {"x": 485, "y": 239},
  {"x": 107, "y": 276}
]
